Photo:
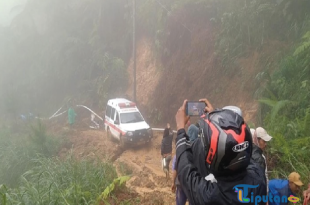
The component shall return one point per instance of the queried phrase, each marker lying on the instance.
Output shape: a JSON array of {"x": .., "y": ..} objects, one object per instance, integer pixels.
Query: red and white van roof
[{"x": 122, "y": 104}]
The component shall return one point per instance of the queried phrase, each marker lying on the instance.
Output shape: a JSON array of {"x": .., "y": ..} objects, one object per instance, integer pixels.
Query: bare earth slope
[
  {"x": 190, "y": 67},
  {"x": 191, "y": 73}
]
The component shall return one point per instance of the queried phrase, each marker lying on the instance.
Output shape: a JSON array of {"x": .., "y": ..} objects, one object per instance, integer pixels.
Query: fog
[
  {"x": 52, "y": 51},
  {"x": 9, "y": 9},
  {"x": 55, "y": 50}
]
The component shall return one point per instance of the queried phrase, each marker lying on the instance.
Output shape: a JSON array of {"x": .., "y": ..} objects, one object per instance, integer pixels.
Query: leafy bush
[{"x": 116, "y": 184}]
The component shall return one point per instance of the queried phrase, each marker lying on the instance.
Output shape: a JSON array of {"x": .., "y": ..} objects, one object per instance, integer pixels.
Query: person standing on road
[
  {"x": 71, "y": 116},
  {"x": 166, "y": 147}
]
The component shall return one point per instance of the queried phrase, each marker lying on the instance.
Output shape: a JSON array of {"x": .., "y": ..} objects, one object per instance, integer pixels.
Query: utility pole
[{"x": 134, "y": 49}]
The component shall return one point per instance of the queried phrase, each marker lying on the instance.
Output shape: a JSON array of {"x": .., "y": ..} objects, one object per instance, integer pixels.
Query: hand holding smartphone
[{"x": 195, "y": 108}]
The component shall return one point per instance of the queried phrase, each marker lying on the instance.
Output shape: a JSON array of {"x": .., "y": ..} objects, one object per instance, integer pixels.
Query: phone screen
[{"x": 195, "y": 108}]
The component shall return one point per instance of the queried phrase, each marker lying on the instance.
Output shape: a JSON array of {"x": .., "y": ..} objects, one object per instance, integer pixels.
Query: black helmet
[{"x": 227, "y": 141}]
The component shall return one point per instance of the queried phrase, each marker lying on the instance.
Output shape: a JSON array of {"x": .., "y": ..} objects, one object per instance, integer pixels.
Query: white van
[{"x": 124, "y": 122}]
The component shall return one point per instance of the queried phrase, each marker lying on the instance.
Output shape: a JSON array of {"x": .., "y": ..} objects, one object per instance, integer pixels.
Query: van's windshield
[{"x": 131, "y": 117}]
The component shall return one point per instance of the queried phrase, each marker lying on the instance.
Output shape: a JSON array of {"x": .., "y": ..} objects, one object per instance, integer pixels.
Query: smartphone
[{"x": 195, "y": 108}]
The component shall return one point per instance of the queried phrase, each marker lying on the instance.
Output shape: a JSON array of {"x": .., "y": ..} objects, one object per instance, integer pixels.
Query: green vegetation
[
  {"x": 18, "y": 150},
  {"x": 288, "y": 111},
  {"x": 116, "y": 184},
  {"x": 249, "y": 25},
  {"x": 284, "y": 88},
  {"x": 31, "y": 174},
  {"x": 55, "y": 181}
]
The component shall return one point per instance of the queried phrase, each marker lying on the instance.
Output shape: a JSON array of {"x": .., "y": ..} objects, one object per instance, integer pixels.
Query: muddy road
[{"x": 143, "y": 163}]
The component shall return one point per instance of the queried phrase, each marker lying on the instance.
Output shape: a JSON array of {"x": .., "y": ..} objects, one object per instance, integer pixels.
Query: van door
[
  {"x": 113, "y": 128},
  {"x": 117, "y": 125},
  {"x": 107, "y": 117}
]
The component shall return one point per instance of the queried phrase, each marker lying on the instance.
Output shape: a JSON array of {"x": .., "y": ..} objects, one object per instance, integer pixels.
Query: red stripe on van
[{"x": 114, "y": 127}]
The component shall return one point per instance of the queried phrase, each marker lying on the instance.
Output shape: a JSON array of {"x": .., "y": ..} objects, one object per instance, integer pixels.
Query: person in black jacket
[
  {"x": 166, "y": 143},
  {"x": 166, "y": 149},
  {"x": 262, "y": 138},
  {"x": 218, "y": 168}
]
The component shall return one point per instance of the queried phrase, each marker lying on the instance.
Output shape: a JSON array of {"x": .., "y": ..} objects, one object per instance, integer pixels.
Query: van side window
[
  {"x": 108, "y": 111},
  {"x": 112, "y": 113}
]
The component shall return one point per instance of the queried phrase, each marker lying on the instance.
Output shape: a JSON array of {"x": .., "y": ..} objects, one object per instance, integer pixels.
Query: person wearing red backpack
[{"x": 220, "y": 161}]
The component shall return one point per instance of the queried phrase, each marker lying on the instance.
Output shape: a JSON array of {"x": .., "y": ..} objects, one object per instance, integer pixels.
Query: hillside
[{"x": 193, "y": 71}]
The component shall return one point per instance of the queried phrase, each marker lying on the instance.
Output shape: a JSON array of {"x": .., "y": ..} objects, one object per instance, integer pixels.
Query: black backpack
[{"x": 227, "y": 141}]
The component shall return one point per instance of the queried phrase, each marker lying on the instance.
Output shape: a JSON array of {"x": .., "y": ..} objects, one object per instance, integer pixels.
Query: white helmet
[{"x": 233, "y": 108}]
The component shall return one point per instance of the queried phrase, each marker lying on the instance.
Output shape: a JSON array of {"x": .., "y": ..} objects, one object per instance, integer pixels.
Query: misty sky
[{"x": 6, "y": 12}]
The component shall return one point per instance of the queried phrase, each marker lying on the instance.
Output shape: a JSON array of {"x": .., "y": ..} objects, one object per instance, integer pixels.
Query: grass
[
  {"x": 15, "y": 158},
  {"x": 53, "y": 181},
  {"x": 31, "y": 173},
  {"x": 18, "y": 149}
]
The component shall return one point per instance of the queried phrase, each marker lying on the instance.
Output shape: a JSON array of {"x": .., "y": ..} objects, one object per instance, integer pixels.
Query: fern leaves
[
  {"x": 120, "y": 181},
  {"x": 275, "y": 105},
  {"x": 304, "y": 46}
]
